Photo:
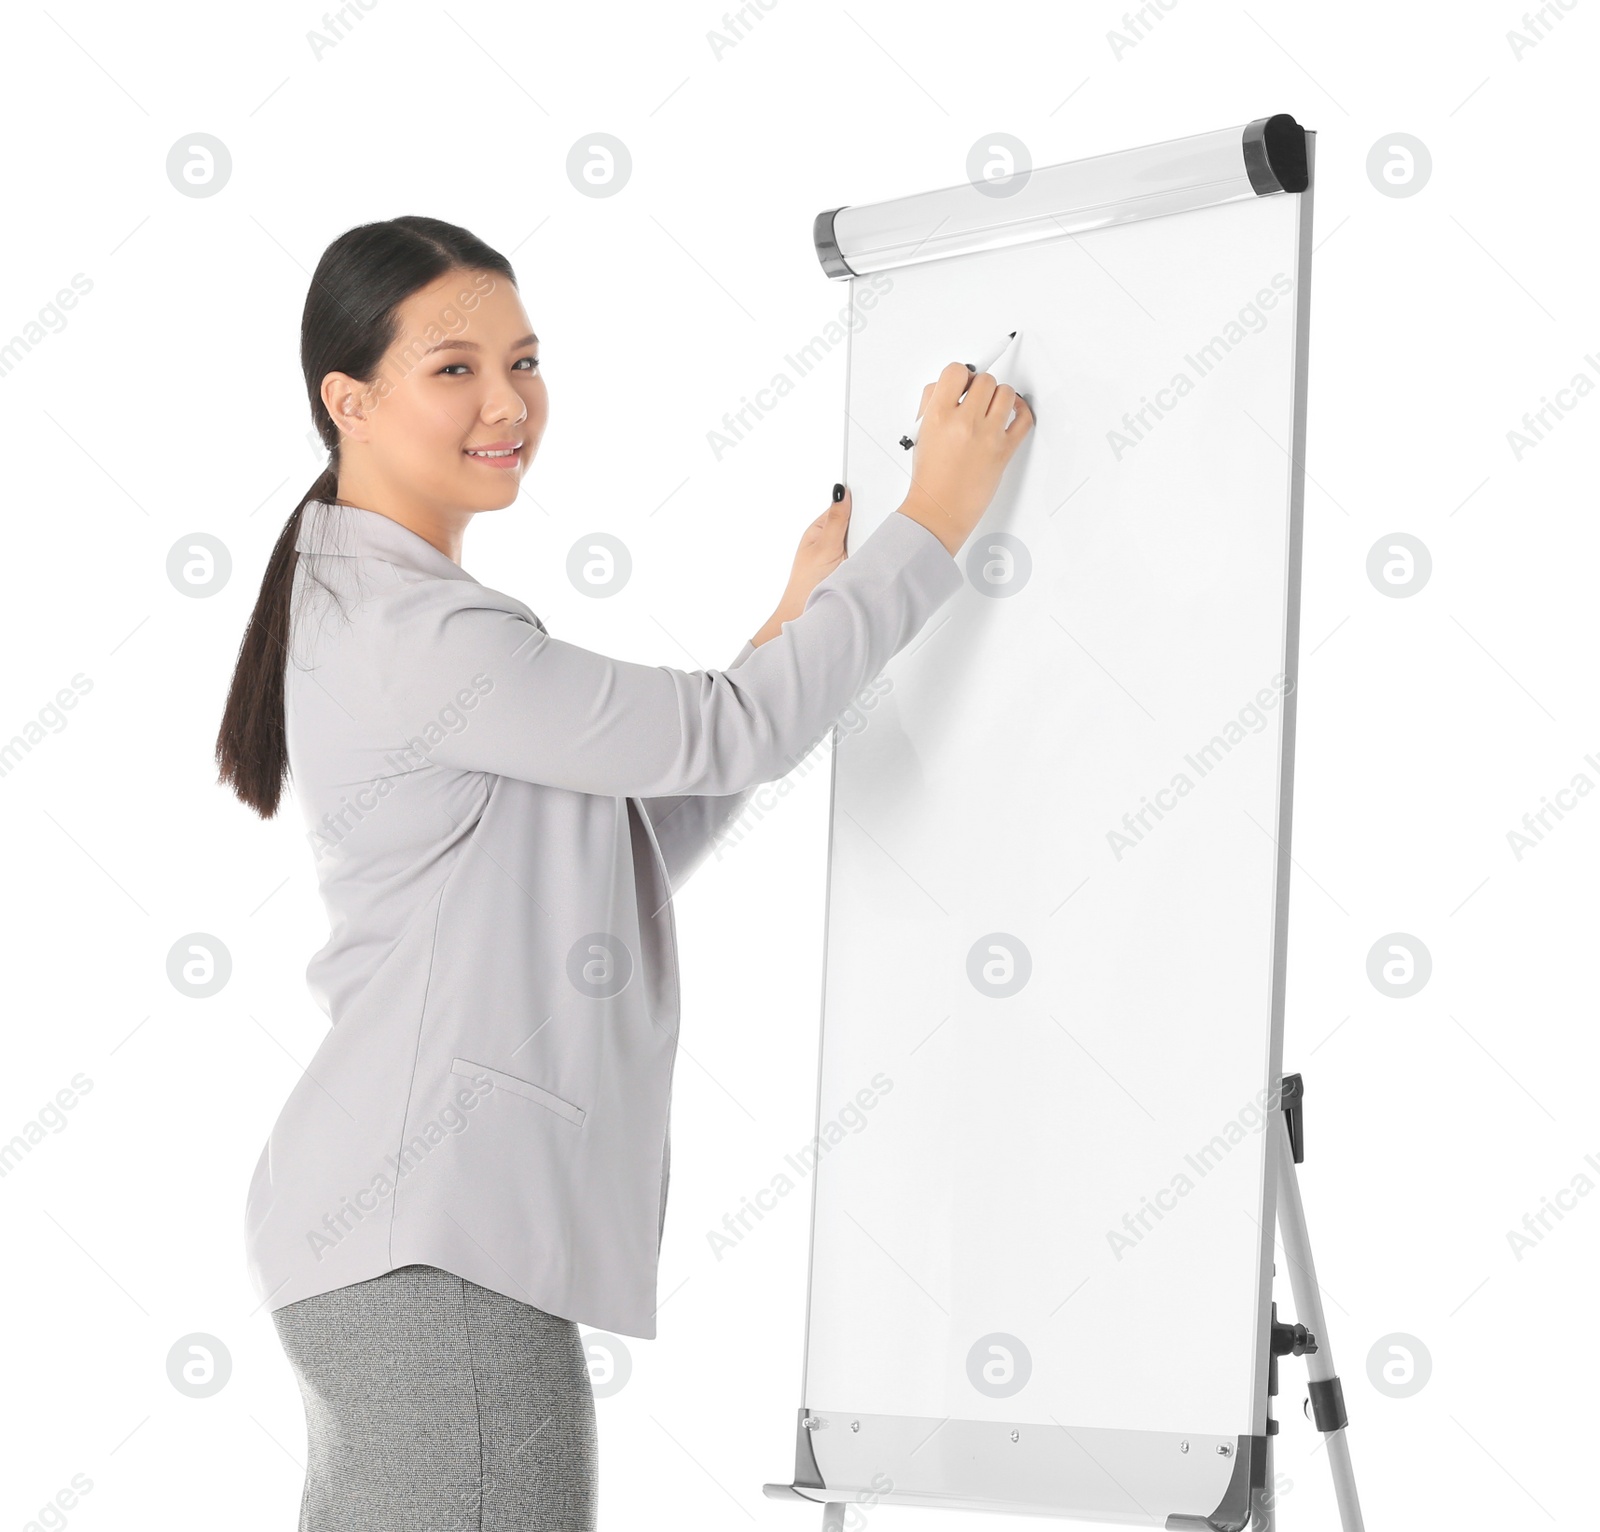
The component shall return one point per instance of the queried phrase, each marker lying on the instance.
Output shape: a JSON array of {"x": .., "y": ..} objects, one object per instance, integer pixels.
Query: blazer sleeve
[
  {"x": 523, "y": 704},
  {"x": 687, "y": 826}
]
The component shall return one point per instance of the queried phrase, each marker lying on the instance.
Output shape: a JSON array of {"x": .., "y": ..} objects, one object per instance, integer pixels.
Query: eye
[{"x": 450, "y": 369}]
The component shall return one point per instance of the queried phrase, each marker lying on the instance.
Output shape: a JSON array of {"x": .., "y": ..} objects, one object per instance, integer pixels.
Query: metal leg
[
  {"x": 1308, "y": 1311},
  {"x": 833, "y": 1516}
]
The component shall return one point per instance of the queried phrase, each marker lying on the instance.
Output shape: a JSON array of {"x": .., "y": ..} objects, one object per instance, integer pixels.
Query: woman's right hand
[{"x": 963, "y": 446}]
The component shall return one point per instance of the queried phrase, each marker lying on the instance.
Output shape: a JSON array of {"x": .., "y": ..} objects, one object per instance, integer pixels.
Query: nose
[
  {"x": 505, "y": 405},
  {"x": 506, "y": 408}
]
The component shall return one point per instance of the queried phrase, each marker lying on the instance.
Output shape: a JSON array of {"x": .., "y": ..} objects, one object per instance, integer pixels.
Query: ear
[{"x": 344, "y": 399}]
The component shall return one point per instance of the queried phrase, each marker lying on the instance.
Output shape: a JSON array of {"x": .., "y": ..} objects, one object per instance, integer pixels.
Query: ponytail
[{"x": 252, "y": 750}]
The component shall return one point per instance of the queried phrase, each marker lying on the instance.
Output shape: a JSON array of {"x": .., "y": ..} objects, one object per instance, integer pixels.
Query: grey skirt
[{"x": 436, "y": 1405}]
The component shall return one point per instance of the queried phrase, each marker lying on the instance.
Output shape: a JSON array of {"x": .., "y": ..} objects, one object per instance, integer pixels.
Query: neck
[{"x": 444, "y": 527}]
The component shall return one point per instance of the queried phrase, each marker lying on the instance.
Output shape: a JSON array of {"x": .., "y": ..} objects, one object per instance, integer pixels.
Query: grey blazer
[{"x": 499, "y": 821}]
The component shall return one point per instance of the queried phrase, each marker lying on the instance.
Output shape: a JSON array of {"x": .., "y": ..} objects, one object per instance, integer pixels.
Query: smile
[{"x": 496, "y": 457}]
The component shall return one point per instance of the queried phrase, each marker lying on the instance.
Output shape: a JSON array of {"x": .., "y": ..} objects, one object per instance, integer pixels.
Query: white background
[{"x": 171, "y": 403}]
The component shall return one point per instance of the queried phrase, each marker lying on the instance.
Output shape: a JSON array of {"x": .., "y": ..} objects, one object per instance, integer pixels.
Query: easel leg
[
  {"x": 1327, "y": 1399},
  {"x": 1262, "y": 1500}
]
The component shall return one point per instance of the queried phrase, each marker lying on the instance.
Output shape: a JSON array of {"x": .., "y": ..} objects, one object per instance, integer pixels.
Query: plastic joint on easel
[
  {"x": 1286, "y": 1340},
  {"x": 1327, "y": 1404},
  {"x": 1292, "y": 1097}
]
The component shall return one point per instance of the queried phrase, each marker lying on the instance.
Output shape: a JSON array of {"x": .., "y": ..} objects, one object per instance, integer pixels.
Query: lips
[{"x": 496, "y": 454}]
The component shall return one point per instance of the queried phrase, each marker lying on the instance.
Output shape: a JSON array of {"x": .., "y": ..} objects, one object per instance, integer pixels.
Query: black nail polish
[{"x": 838, "y": 493}]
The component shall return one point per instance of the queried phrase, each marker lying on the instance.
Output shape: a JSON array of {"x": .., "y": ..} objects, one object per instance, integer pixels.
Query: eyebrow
[{"x": 530, "y": 339}]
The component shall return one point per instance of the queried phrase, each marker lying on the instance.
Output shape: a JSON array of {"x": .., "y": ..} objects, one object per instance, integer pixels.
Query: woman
[{"x": 475, "y": 1162}]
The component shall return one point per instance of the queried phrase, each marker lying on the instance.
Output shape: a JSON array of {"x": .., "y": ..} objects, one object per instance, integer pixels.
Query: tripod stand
[{"x": 1308, "y": 1337}]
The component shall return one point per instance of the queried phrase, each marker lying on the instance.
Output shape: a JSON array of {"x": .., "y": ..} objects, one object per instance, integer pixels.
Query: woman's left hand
[{"x": 821, "y": 552}]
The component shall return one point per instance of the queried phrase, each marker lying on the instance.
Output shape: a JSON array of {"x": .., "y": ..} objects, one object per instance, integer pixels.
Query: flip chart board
[{"x": 1057, "y": 887}]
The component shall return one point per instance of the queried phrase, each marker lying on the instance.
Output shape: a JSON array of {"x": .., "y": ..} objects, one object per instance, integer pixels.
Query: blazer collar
[{"x": 348, "y": 531}]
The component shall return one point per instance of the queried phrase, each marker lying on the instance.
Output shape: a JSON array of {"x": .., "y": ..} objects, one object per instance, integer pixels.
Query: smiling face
[{"x": 450, "y": 422}]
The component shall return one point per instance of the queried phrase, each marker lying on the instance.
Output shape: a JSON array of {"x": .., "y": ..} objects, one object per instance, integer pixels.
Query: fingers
[
  {"x": 1002, "y": 402},
  {"x": 989, "y": 400},
  {"x": 1005, "y": 400},
  {"x": 838, "y": 510},
  {"x": 1024, "y": 421},
  {"x": 947, "y": 389},
  {"x": 980, "y": 394}
]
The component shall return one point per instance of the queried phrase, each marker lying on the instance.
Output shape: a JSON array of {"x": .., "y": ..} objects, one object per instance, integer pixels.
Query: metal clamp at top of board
[{"x": 1259, "y": 159}]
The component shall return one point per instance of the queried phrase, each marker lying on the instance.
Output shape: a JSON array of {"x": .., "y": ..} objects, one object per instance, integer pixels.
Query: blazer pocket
[{"x": 505, "y": 1082}]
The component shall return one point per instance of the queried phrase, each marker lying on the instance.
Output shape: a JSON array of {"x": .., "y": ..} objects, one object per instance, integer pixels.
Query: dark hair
[{"x": 349, "y": 322}]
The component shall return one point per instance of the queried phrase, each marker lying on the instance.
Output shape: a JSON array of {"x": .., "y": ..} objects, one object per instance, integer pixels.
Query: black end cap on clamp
[{"x": 1275, "y": 155}]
